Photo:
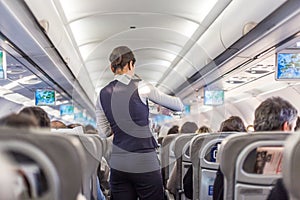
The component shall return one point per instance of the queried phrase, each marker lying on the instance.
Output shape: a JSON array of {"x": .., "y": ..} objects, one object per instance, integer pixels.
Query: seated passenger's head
[
  {"x": 39, "y": 114},
  {"x": 204, "y": 129},
  {"x": 74, "y": 125},
  {"x": 275, "y": 114},
  {"x": 189, "y": 127},
  {"x": 56, "y": 124},
  {"x": 20, "y": 120},
  {"x": 173, "y": 130},
  {"x": 233, "y": 123}
]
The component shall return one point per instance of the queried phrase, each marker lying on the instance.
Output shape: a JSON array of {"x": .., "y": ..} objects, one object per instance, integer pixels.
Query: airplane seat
[
  {"x": 195, "y": 146},
  {"x": 181, "y": 147},
  {"x": 56, "y": 156},
  {"x": 167, "y": 157},
  {"x": 290, "y": 166},
  {"x": 93, "y": 157},
  {"x": 205, "y": 164},
  {"x": 98, "y": 155},
  {"x": 236, "y": 155}
]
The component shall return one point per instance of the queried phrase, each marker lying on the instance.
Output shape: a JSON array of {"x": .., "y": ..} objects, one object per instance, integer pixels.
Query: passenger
[
  {"x": 19, "y": 121},
  {"x": 188, "y": 177},
  {"x": 73, "y": 125},
  {"x": 39, "y": 113},
  {"x": 233, "y": 124},
  {"x": 250, "y": 128},
  {"x": 90, "y": 129},
  {"x": 57, "y": 124},
  {"x": 276, "y": 114},
  {"x": 122, "y": 109},
  {"x": 173, "y": 130},
  {"x": 204, "y": 129},
  {"x": 189, "y": 127}
]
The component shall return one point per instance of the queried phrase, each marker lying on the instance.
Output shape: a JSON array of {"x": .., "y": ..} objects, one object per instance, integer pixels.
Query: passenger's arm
[
  {"x": 148, "y": 91},
  {"x": 103, "y": 125}
]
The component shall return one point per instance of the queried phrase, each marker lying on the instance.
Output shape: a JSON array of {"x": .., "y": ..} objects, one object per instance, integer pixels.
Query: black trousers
[{"x": 130, "y": 186}]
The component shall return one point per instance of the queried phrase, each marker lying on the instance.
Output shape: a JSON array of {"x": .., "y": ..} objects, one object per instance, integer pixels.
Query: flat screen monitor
[
  {"x": 187, "y": 109},
  {"x": 66, "y": 110},
  {"x": 2, "y": 65},
  {"x": 213, "y": 97},
  {"x": 44, "y": 97},
  {"x": 287, "y": 66}
]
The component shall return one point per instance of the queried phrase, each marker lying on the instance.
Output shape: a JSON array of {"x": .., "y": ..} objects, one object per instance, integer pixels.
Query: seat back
[
  {"x": 167, "y": 156},
  {"x": 195, "y": 146},
  {"x": 181, "y": 147},
  {"x": 203, "y": 152},
  {"x": 290, "y": 166},
  {"x": 56, "y": 155},
  {"x": 236, "y": 153},
  {"x": 93, "y": 154}
]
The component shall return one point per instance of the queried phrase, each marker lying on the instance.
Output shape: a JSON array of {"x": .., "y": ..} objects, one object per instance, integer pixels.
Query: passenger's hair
[
  {"x": 297, "y": 127},
  {"x": 121, "y": 56},
  {"x": 74, "y": 125},
  {"x": 173, "y": 130},
  {"x": 272, "y": 113},
  {"x": 233, "y": 123},
  {"x": 89, "y": 129},
  {"x": 189, "y": 127},
  {"x": 58, "y": 124},
  {"x": 20, "y": 120},
  {"x": 39, "y": 113},
  {"x": 204, "y": 129}
]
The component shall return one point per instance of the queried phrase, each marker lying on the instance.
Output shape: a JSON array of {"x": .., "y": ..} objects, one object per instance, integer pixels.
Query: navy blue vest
[{"x": 128, "y": 117}]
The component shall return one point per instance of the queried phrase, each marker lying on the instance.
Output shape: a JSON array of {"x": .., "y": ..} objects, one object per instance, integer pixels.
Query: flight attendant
[{"x": 122, "y": 110}]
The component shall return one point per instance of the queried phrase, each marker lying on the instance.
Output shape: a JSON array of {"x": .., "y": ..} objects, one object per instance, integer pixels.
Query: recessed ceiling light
[{"x": 298, "y": 44}]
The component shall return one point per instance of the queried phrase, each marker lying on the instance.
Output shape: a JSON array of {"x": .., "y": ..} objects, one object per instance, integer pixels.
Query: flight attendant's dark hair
[{"x": 120, "y": 56}]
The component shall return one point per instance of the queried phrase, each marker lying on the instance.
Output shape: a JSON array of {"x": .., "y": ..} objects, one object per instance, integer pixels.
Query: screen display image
[
  {"x": 1, "y": 60},
  {"x": 213, "y": 97},
  {"x": 66, "y": 110},
  {"x": 288, "y": 66},
  {"x": 44, "y": 97}
]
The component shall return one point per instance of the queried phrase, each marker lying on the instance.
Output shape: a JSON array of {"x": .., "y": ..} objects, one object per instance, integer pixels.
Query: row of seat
[
  {"x": 68, "y": 160},
  {"x": 237, "y": 156}
]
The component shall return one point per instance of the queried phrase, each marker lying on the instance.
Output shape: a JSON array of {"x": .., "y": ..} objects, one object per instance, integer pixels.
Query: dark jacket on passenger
[
  {"x": 188, "y": 183},
  {"x": 278, "y": 192},
  {"x": 218, "y": 186}
]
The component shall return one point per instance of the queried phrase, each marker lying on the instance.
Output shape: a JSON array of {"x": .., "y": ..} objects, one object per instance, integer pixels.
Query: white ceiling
[{"x": 172, "y": 40}]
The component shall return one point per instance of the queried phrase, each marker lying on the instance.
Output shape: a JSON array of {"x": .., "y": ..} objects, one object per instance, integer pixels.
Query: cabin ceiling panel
[
  {"x": 195, "y": 10},
  {"x": 96, "y": 27}
]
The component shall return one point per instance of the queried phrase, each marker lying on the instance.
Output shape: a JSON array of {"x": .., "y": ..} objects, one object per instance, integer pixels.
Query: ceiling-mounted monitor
[
  {"x": 213, "y": 97},
  {"x": 2, "y": 64},
  {"x": 44, "y": 97},
  {"x": 287, "y": 65},
  {"x": 66, "y": 109}
]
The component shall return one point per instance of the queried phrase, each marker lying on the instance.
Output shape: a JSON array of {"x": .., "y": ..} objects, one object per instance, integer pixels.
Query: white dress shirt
[{"x": 146, "y": 91}]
